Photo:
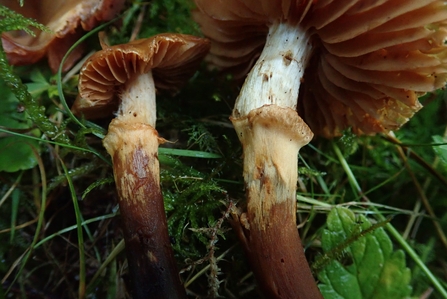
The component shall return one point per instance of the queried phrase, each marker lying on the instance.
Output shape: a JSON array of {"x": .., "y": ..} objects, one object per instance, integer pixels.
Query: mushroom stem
[
  {"x": 275, "y": 78},
  {"x": 271, "y": 137},
  {"x": 133, "y": 143},
  {"x": 138, "y": 100},
  {"x": 272, "y": 133}
]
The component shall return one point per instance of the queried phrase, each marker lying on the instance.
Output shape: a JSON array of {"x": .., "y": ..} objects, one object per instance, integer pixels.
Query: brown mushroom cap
[
  {"x": 371, "y": 59},
  {"x": 172, "y": 58},
  {"x": 67, "y": 21}
]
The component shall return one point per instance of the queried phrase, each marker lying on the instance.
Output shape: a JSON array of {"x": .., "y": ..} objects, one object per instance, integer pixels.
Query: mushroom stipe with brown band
[
  {"x": 123, "y": 78},
  {"x": 331, "y": 64}
]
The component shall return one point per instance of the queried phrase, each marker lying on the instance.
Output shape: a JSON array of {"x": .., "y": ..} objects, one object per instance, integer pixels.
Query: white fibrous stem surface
[
  {"x": 138, "y": 100},
  {"x": 276, "y": 76}
]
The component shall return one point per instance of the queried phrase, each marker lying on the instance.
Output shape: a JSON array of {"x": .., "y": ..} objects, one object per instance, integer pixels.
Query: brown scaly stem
[
  {"x": 134, "y": 147},
  {"x": 271, "y": 138}
]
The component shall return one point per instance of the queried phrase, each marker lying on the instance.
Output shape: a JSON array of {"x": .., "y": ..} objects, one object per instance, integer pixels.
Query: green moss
[{"x": 158, "y": 16}]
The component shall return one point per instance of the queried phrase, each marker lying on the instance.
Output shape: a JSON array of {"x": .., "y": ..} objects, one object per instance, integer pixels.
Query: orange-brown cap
[
  {"x": 67, "y": 20},
  {"x": 371, "y": 59},
  {"x": 171, "y": 57}
]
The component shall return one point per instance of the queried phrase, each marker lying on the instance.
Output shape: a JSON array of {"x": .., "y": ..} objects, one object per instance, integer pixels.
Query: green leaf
[
  {"x": 10, "y": 117},
  {"x": 36, "y": 89},
  {"x": 17, "y": 153},
  {"x": 441, "y": 150},
  {"x": 188, "y": 153},
  {"x": 39, "y": 84},
  {"x": 37, "y": 76},
  {"x": 362, "y": 262}
]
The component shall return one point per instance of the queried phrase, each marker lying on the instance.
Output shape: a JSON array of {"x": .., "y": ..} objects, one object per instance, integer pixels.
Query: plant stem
[{"x": 82, "y": 269}]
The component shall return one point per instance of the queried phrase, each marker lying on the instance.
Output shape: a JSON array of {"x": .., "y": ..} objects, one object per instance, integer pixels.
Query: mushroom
[
  {"x": 328, "y": 65},
  {"x": 126, "y": 76},
  {"x": 67, "y": 20}
]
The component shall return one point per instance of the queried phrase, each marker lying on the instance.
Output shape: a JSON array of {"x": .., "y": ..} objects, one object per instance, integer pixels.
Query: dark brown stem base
[
  {"x": 271, "y": 138},
  {"x": 276, "y": 257},
  {"x": 152, "y": 269}
]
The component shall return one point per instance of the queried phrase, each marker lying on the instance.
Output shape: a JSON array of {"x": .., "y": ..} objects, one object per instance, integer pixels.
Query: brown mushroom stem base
[
  {"x": 271, "y": 138},
  {"x": 152, "y": 268}
]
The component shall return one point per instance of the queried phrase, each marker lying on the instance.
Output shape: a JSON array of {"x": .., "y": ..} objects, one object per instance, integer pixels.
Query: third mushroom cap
[
  {"x": 67, "y": 20},
  {"x": 323, "y": 66}
]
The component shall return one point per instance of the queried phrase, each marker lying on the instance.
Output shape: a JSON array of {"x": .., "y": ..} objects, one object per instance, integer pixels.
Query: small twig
[
  {"x": 423, "y": 198},
  {"x": 200, "y": 273},
  {"x": 11, "y": 189},
  {"x": 139, "y": 22},
  {"x": 417, "y": 158},
  {"x": 23, "y": 225},
  {"x": 214, "y": 270},
  {"x": 426, "y": 294},
  {"x": 112, "y": 256}
]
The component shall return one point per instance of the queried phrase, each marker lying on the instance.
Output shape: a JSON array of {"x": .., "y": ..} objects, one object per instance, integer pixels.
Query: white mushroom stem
[
  {"x": 272, "y": 133},
  {"x": 138, "y": 100},
  {"x": 276, "y": 76}
]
